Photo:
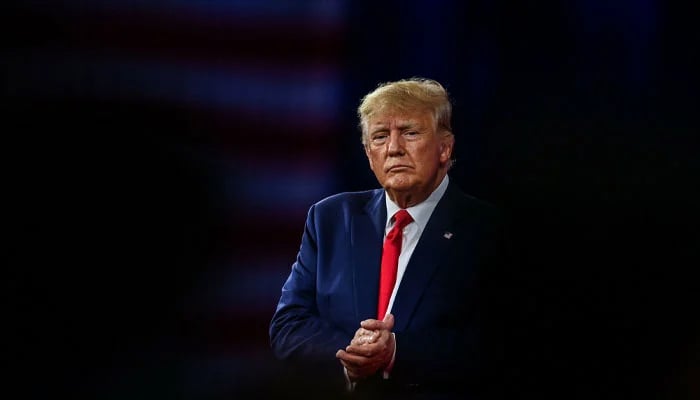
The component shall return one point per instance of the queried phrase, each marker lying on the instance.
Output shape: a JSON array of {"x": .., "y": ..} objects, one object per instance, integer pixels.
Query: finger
[
  {"x": 365, "y": 350},
  {"x": 355, "y": 360},
  {"x": 362, "y": 332},
  {"x": 382, "y": 343},
  {"x": 372, "y": 338},
  {"x": 361, "y": 340},
  {"x": 346, "y": 359},
  {"x": 372, "y": 324},
  {"x": 367, "y": 332},
  {"x": 357, "y": 373},
  {"x": 348, "y": 366}
]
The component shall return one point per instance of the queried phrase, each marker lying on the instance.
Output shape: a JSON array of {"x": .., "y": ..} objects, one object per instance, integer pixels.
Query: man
[{"x": 416, "y": 324}]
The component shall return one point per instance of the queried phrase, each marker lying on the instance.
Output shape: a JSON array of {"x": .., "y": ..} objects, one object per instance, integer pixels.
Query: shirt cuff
[
  {"x": 349, "y": 385},
  {"x": 387, "y": 370}
]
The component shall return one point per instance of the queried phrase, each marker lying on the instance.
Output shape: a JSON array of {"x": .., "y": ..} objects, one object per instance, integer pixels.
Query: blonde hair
[{"x": 408, "y": 95}]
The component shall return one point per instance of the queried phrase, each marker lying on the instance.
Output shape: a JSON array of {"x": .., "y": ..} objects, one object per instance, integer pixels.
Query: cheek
[
  {"x": 427, "y": 157},
  {"x": 373, "y": 162},
  {"x": 375, "y": 158},
  {"x": 370, "y": 158}
]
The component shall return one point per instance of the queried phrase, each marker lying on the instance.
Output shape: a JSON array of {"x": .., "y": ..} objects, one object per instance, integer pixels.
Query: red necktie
[{"x": 390, "y": 260}]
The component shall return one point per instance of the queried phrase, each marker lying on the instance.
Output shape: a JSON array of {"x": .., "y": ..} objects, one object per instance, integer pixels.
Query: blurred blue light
[
  {"x": 291, "y": 92},
  {"x": 325, "y": 10}
]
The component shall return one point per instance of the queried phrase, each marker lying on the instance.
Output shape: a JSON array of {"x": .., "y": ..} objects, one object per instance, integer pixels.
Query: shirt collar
[{"x": 420, "y": 212}]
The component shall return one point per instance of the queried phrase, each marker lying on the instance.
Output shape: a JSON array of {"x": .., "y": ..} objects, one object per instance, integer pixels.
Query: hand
[
  {"x": 370, "y": 350},
  {"x": 364, "y": 336}
]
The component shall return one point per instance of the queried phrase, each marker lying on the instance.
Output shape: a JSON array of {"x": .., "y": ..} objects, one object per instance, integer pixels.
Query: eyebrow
[{"x": 401, "y": 125}]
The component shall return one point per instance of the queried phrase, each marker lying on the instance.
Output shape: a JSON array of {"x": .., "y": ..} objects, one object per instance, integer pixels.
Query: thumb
[{"x": 389, "y": 321}]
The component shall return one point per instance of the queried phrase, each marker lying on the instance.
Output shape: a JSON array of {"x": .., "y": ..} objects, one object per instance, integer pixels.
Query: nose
[{"x": 395, "y": 144}]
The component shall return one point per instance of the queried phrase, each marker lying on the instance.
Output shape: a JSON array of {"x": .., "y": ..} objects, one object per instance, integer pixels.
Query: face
[{"x": 407, "y": 155}]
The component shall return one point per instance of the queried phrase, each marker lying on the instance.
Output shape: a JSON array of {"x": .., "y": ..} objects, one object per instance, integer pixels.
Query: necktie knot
[{"x": 401, "y": 219}]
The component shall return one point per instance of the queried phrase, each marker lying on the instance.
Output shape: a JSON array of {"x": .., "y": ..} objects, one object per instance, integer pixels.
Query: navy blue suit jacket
[{"x": 440, "y": 305}]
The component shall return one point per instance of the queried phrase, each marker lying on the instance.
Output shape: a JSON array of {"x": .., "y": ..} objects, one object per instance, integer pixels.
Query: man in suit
[{"x": 432, "y": 336}]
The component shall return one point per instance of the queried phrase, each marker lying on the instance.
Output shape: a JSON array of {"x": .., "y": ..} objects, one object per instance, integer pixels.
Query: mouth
[{"x": 398, "y": 168}]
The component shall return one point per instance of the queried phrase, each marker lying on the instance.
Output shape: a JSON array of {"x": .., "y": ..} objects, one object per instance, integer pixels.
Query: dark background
[{"x": 159, "y": 159}]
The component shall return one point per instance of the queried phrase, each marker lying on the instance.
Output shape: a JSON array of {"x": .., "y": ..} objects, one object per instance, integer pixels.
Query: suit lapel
[
  {"x": 428, "y": 254},
  {"x": 367, "y": 232}
]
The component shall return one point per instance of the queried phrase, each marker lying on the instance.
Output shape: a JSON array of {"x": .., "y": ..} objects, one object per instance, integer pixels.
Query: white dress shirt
[{"x": 411, "y": 233}]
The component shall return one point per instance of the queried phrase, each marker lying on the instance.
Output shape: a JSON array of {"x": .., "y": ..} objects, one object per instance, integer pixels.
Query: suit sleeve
[{"x": 297, "y": 331}]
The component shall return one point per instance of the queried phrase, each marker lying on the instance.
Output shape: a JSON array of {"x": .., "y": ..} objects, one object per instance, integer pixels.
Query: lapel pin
[{"x": 447, "y": 235}]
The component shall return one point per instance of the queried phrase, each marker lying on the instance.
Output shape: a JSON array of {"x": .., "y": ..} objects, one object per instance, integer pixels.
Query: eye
[
  {"x": 411, "y": 134},
  {"x": 379, "y": 138}
]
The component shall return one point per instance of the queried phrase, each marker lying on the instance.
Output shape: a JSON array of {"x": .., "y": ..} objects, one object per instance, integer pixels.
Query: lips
[{"x": 397, "y": 168}]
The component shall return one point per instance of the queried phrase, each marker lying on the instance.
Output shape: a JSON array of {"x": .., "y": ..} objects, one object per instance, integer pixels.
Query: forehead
[{"x": 401, "y": 118}]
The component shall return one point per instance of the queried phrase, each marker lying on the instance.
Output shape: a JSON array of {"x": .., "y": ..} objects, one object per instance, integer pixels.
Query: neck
[{"x": 405, "y": 199}]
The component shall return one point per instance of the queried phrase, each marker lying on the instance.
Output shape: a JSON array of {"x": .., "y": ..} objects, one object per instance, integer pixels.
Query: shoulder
[
  {"x": 348, "y": 200},
  {"x": 339, "y": 209},
  {"x": 345, "y": 203}
]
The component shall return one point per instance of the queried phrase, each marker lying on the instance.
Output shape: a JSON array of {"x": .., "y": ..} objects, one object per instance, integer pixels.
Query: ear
[{"x": 446, "y": 145}]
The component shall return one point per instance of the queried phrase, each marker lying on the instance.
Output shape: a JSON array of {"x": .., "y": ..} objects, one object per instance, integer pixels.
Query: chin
[{"x": 398, "y": 186}]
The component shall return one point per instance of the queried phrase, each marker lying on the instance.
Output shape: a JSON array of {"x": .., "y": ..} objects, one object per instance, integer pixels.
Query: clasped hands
[{"x": 370, "y": 350}]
